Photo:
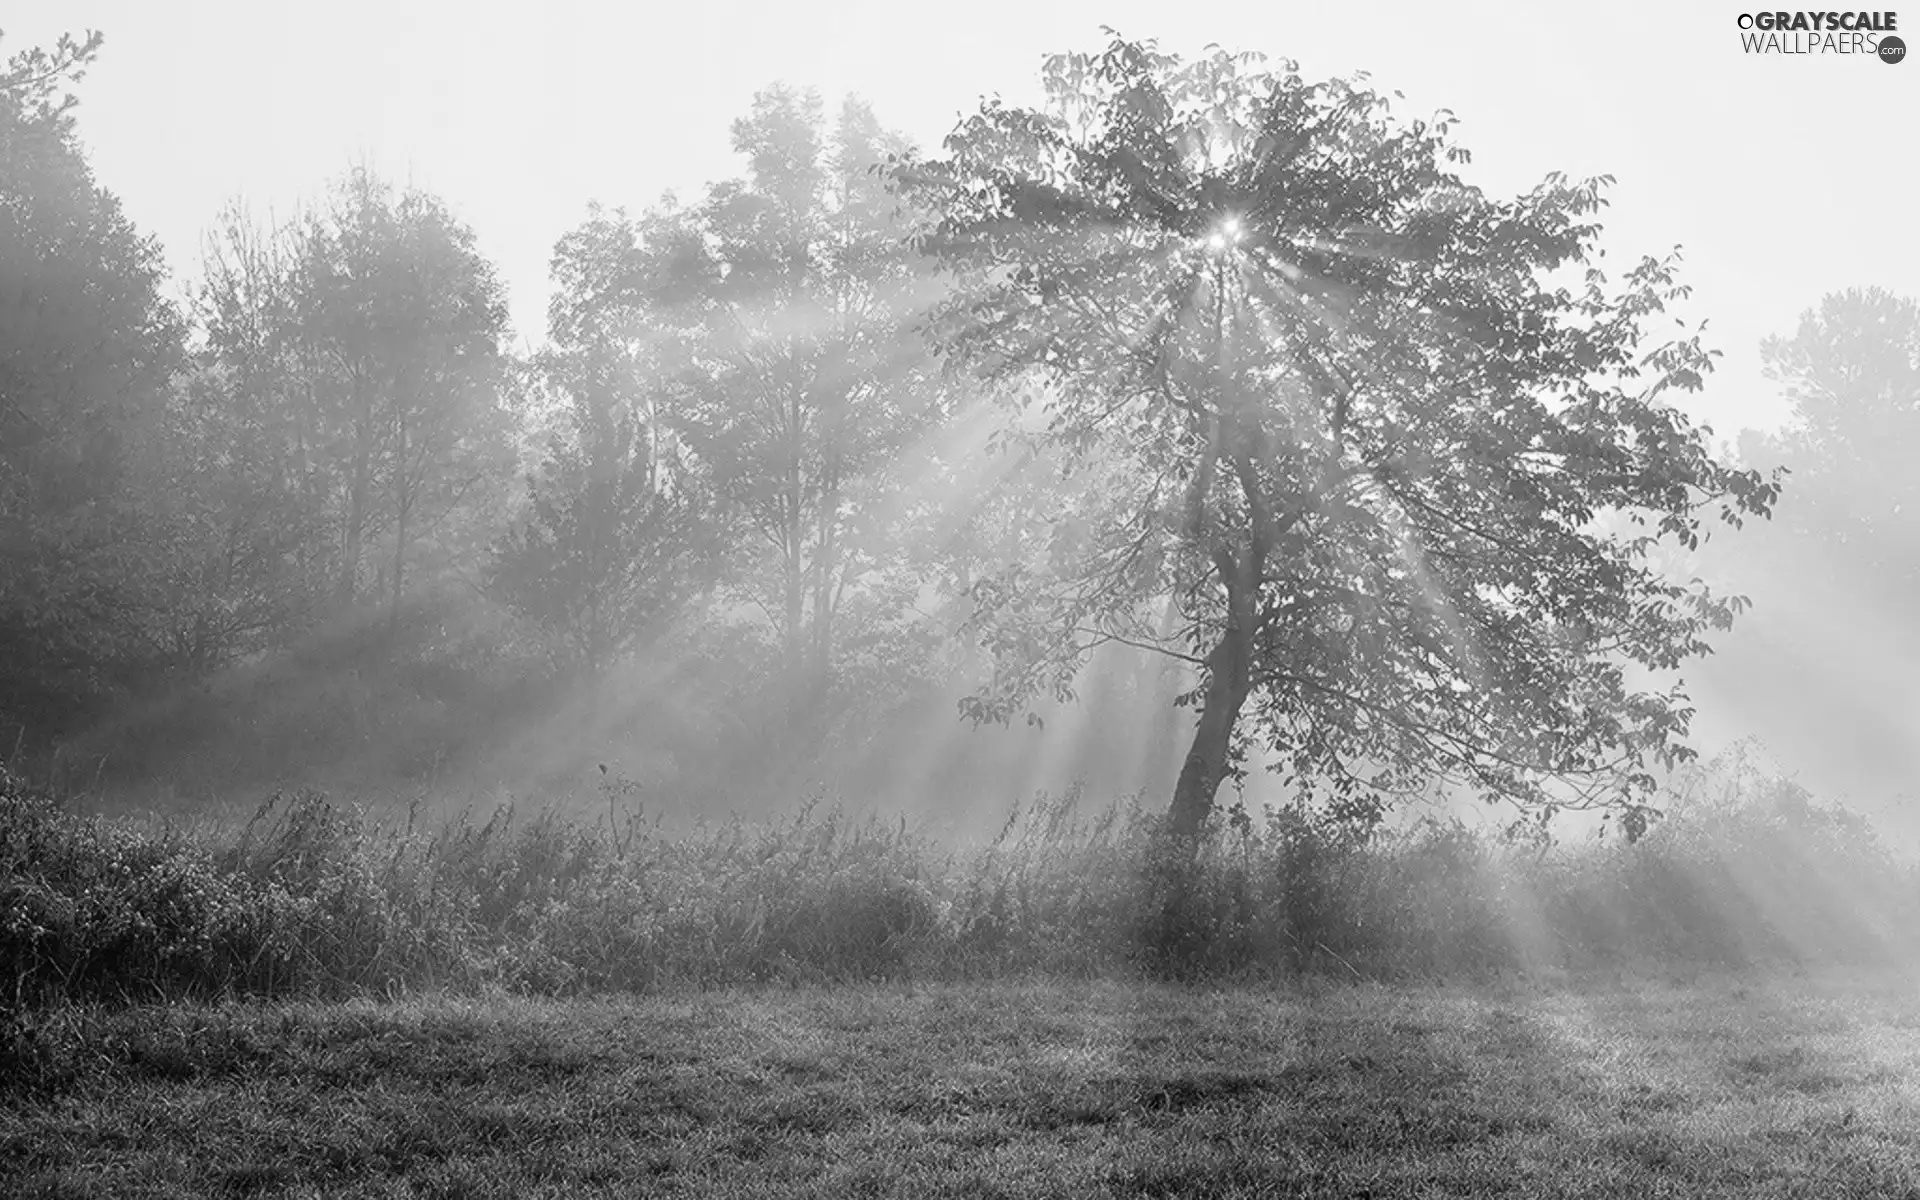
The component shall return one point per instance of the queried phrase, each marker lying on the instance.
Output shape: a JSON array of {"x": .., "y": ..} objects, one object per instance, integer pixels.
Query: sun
[{"x": 1226, "y": 234}]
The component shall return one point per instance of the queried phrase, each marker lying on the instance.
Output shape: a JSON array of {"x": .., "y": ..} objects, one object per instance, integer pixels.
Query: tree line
[{"x": 1197, "y": 358}]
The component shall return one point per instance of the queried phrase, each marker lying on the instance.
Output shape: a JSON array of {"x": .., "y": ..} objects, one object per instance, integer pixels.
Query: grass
[
  {"x": 1718, "y": 1086},
  {"x": 320, "y": 1002},
  {"x": 309, "y": 900}
]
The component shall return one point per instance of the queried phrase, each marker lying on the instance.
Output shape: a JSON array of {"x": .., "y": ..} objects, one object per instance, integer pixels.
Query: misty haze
[{"x": 1005, "y": 602}]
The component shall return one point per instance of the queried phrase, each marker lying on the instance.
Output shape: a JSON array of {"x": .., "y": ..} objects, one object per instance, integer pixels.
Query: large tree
[
  {"x": 222, "y": 533},
  {"x": 1355, "y": 418},
  {"x": 262, "y": 380},
  {"x": 87, "y": 349}
]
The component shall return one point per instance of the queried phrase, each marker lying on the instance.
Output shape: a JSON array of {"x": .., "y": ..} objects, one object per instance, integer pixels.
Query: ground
[{"x": 1715, "y": 1086}]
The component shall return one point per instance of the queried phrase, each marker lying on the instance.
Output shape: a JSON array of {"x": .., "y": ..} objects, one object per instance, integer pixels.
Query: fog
[
  {"x": 798, "y": 611},
  {"x": 1047, "y": 599}
]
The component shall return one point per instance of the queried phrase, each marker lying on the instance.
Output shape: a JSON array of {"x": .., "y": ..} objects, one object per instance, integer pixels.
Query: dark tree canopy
[
  {"x": 87, "y": 349},
  {"x": 1359, "y": 420}
]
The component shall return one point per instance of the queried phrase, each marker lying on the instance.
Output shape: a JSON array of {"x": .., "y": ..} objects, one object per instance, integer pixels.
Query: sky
[{"x": 1782, "y": 178}]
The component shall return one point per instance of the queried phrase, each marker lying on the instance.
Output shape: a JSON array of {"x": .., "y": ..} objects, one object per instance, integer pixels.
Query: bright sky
[{"x": 1784, "y": 178}]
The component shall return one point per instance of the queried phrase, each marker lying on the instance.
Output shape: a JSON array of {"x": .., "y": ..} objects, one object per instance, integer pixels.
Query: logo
[{"x": 1867, "y": 34}]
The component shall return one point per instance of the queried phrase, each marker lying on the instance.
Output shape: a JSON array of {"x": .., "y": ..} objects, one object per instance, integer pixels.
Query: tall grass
[{"x": 312, "y": 899}]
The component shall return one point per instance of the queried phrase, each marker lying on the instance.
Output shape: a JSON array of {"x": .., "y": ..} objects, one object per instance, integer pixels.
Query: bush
[{"x": 313, "y": 899}]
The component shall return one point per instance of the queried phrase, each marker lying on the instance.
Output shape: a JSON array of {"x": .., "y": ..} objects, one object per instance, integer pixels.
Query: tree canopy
[
  {"x": 1852, "y": 373},
  {"x": 1392, "y": 473},
  {"x": 88, "y": 345},
  {"x": 615, "y": 538},
  {"x": 1340, "y": 407},
  {"x": 781, "y": 308}
]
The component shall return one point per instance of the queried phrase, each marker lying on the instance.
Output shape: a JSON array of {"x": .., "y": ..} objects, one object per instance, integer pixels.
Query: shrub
[{"x": 309, "y": 898}]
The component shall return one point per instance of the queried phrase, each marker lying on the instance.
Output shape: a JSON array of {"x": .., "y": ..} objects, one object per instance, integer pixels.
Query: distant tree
[
  {"x": 262, "y": 378},
  {"x": 361, "y": 347},
  {"x": 613, "y": 540},
  {"x": 797, "y": 377},
  {"x": 408, "y": 317},
  {"x": 1325, "y": 396},
  {"x": 1852, "y": 374},
  {"x": 238, "y": 520},
  {"x": 222, "y": 531},
  {"x": 608, "y": 549},
  {"x": 87, "y": 349},
  {"x": 1819, "y": 668}
]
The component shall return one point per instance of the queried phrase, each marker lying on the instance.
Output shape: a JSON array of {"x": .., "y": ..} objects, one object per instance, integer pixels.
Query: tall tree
[
  {"x": 271, "y": 376},
  {"x": 1326, "y": 398},
  {"x": 613, "y": 540},
  {"x": 797, "y": 376},
  {"x": 409, "y": 318},
  {"x": 87, "y": 348},
  {"x": 245, "y": 500},
  {"x": 361, "y": 345}
]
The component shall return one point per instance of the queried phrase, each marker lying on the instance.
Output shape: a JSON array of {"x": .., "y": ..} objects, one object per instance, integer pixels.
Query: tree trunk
[
  {"x": 1206, "y": 763},
  {"x": 796, "y": 610},
  {"x": 399, "y": 568},
  {"x": 349, "y": 585},
  {"x": 1229, "y": 680},
  {"x": 359, "y": 493},
  {"x": 826, "y": 547}
]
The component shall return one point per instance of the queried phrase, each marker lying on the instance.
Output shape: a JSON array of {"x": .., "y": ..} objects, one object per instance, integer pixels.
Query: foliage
[
  {"x": 361, "y": 704},
  {"x": 616, "y": 536},
  {"x": 1818, "y": 667},
  {"x": 1331, "y": 402},
  {"x": 1852, "y": 373},
  {"x": 166, "y": 515},
  {"x": 1244, "y": 374},
  {"x": 87, "y": 344},
  {"x": 313, "y": 899},
  {"x": 796, "y": 377},
  {"x": 227, "y": 536},
  {"x": 406, "y": 319}
]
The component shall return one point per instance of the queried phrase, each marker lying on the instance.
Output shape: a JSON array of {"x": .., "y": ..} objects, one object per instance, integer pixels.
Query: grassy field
[{"x": 1718, "y": 1086}]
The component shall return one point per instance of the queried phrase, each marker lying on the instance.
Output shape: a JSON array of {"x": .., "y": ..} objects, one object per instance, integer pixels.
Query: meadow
[
  {"x": 323, "y": 1001},
  {"x": 1677, "y": 1086}
]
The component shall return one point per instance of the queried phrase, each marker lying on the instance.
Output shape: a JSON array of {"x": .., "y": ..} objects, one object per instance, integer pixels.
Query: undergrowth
[{"x": 314, "y": 899}]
